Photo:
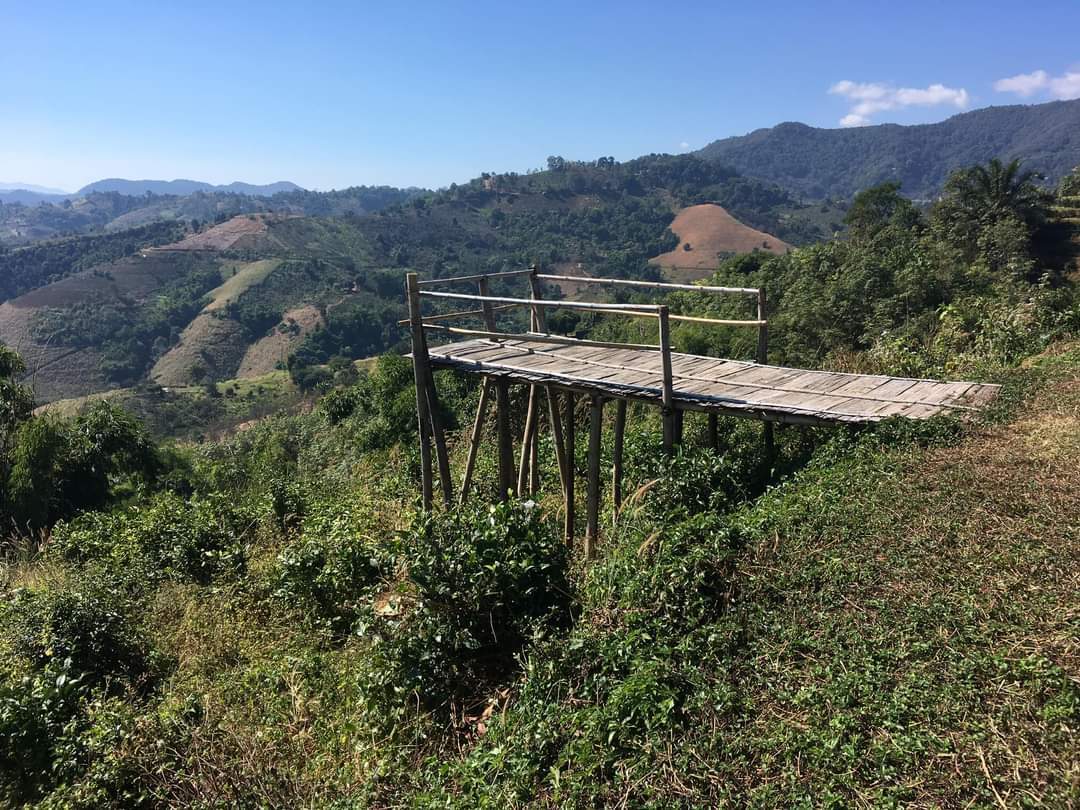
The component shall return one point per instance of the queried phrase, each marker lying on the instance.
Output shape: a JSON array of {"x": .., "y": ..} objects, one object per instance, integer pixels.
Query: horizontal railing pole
[
  {"x": 688, "y": 318},
  {"x": 465, "y": 313},
  {"x": 536, "y": 337},
  {"x": 662, "y": 285},
  {"x": 476, "y": 277},
  {"x": 533, "y": 302}
]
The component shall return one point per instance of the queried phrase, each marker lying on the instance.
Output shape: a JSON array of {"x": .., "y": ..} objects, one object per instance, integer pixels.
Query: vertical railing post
[
  {"x": 763, "y": 328},
  {"x": 419, "y": 356},
  {"x": 668, "y": 393},
  {"x": 763, "y": 358}
]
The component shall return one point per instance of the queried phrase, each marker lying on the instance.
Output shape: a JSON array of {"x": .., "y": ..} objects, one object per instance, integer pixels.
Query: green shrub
[
  {"x": 87, "y": 624},
  {"x": 480, "y": 583},
  {"x": 197, "y": 540},
  {"x": 331, "y": 570},
  {"x": 39, "y": 721}
]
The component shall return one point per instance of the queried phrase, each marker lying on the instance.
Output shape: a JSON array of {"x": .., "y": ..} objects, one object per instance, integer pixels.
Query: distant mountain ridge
[
  {"x": 184, "y": 187},
  {"x": 11, "y": 186},
  {"x": 837, "y": 163}
]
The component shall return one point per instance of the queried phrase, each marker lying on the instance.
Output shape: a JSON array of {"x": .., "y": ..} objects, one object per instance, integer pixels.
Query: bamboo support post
[
  {"x": 502, "y": 406},
  {"x": 441, "y": 454},
  {"x": 412, "y": 292},
  {"x": 474, "y": 438},
  {"x": 617, "y": 459},
  {"x": 592, "y": 531},
  {"x": 569, "y": 527},
  {"x": 528, "y": 438},
  {"x": 668, "y": 395},
  {"x": 555, "y": 420}
]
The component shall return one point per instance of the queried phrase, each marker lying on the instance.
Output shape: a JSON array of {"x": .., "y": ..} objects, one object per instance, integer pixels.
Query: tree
[
  {"x": 979, "y": 197},
  {"x": 16, "y": 403},
  {"x": 1070, "y": 184},
  {"x": 877, "y": 207}
]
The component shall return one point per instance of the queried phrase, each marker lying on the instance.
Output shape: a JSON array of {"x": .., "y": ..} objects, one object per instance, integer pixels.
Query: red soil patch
[
  {"x": 246, "y": 231},
  {"x": 264, "y": 355},
  {"x": 711, "y": 233}
]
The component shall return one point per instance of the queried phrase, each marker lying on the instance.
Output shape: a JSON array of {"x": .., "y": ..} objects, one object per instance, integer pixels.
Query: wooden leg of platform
[
  {"x": 424, "y": 429},
  {"x": 440, "y": 438},
  {"x": 555, "y": 420},
  {"x": 713, "y": 434},
  {"x": 474, "y": 438},
  {"x": 527, "y": 439},
  {"x": 534, "y": 457},
  {"x": 592, "y": 532},
  {"x": 420, "y": 378},
  {"x": 506, "y": 442},
  {"x": 569, "y": 528},
  {"x": 770, "y": 442},
  {"x": 617, "y": 457}
]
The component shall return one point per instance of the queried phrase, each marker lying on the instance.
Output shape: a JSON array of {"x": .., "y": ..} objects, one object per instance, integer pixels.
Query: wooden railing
[{"x": 488, "y": 305}]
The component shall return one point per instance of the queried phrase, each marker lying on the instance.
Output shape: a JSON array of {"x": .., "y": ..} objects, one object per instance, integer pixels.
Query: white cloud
[
  {"x": 684, "y": 146},
  {"x": 873, "y": 97},
  {"x": 853, "y": 120},
  {"x": 1066, "y": 86},
  {"x": 1062, "y": 87},
  {"x": 1023, "y": 84}
]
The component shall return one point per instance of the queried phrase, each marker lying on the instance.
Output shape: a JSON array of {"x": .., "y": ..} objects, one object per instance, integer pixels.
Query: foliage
[
  {"x": 480, "y": 583},
  {"x": 839, "y": 163},
  {"x": 129, "y": 334},
  {"x": 27, "y": 268},
  {"x": 199, "y": 540},
  {"x": 60, "y": 467}
]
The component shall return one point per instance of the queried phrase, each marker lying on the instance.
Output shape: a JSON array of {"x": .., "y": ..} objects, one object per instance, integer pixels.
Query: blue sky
[{"x": 336, "y": 94}]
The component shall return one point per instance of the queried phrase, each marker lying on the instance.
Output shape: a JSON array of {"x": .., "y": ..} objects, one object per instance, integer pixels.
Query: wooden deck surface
[{"x": 709, "y": 384}]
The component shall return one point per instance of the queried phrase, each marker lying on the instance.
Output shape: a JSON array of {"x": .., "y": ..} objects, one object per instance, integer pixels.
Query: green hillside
[
  {"x": 837, "y": 163},
  {"x": 872, "y": 617},
  {"x": 88, "y": 315}
]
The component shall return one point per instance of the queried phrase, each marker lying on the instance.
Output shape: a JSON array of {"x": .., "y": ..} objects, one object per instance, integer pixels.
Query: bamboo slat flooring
[{"x": 714, "y": 385}]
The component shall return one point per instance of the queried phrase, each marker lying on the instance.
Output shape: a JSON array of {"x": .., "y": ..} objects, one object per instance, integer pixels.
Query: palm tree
[
  {"x": 982, "y": 196},
  {"x": 998, "y": 189}
]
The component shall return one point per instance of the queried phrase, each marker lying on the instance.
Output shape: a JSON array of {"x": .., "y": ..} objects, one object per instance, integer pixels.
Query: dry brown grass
[{"x": 712, "y": 233}]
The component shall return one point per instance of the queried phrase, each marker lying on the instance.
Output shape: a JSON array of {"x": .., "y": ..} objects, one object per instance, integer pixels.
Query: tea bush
[{"x": 480, "y": 582}]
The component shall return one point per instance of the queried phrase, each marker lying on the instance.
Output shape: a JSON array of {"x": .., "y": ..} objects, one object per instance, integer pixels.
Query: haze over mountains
[
  {"x": 179, "y": 282},
  {"x": 29, "y": 194},
  {"x": 838, "y": 163}
]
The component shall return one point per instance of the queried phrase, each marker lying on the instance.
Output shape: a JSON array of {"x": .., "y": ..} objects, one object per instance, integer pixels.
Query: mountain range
[
  {"x": 29, "y": 194},
  {"x": 838, "y": 163}
]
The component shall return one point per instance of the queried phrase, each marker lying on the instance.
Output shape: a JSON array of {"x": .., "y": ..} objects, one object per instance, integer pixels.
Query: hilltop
[
  {"x": 837, "y": 163},
  {"x": 184, "y": 187},
  {"x": 303, "y": 276}
]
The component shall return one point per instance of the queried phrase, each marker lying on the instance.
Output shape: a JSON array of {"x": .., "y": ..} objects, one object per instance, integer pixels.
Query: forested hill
[{"x": 837, "y": 163}]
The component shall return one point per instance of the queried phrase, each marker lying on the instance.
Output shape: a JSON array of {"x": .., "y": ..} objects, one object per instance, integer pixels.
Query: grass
[
  {"x": 893, "y": 624},
  {"x": 243, "y": 277},
  {"x": 901, "y": 631}
]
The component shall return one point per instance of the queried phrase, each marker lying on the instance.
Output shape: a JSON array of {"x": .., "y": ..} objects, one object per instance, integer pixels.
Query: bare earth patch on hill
[
  {"x": 244, "y": 232},
  {"x": 55, "y": 371},
  {"x": 263, "y": 356},
  {"x": 211, "y": 343},
  {"x": 711, "y": 233}
]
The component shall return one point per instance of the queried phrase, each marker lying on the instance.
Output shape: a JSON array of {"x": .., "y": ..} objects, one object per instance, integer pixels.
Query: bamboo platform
[
  {"x": 561, "y": 368},
  {"x": 728, "y": 387}
]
